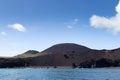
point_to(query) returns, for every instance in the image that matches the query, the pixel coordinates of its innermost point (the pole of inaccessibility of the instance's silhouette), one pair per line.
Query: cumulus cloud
(18, 27)
(3, 33)
(74, 22)
(110, 23)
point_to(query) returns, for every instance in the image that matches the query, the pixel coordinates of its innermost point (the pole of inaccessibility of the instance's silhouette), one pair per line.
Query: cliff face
(67, 54)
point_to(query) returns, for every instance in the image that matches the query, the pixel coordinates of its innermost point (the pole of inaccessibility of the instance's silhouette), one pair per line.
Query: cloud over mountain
(18, 27)
(111, 24)
(3, 33)
(73, 23)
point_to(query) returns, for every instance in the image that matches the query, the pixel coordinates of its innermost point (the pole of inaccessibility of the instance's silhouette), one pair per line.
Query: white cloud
(74, 22)
(3, 33)
(111, 24)
(18, 27)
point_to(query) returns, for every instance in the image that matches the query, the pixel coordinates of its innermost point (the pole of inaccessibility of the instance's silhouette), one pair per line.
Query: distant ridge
(29, 53)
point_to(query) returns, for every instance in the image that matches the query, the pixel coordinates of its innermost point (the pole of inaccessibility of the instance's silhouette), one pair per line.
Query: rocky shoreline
(24, 63)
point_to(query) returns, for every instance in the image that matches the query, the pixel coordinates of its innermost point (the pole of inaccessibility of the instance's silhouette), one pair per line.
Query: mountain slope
(65, 48)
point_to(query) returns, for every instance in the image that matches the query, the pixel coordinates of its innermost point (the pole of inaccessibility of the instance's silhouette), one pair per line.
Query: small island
(64, 55)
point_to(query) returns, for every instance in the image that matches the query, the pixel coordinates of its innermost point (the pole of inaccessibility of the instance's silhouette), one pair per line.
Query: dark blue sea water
(60, 74)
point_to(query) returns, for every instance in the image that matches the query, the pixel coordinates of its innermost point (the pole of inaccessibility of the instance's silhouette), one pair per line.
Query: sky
(39, 24)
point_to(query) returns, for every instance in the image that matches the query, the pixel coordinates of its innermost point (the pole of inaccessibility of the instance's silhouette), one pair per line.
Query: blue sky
(39, 24)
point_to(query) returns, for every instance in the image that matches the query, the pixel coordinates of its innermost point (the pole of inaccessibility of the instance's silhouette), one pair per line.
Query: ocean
(60, 74)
